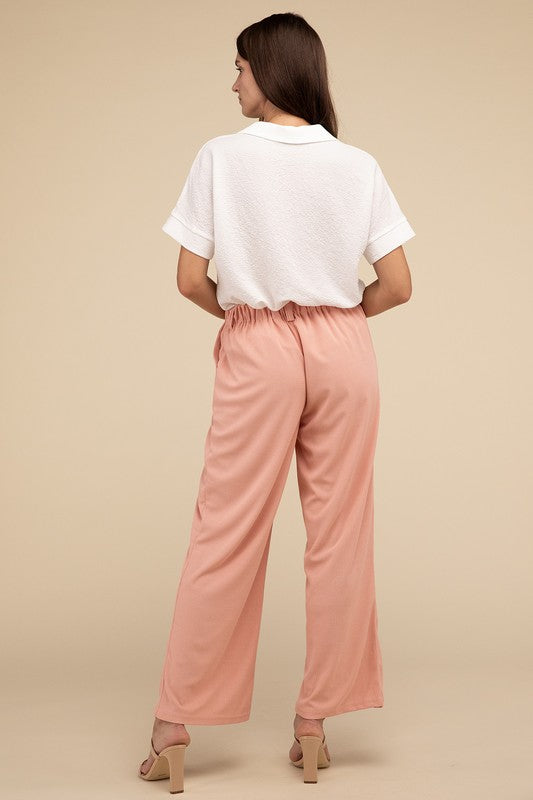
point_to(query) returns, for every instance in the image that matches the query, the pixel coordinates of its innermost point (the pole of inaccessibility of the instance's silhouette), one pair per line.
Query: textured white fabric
(287, 212)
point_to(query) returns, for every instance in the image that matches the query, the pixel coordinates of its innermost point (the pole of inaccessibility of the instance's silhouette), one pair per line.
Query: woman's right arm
(393, 285)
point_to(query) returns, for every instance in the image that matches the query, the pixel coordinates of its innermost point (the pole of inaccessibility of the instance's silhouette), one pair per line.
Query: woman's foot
(306, 727)
(165, 734)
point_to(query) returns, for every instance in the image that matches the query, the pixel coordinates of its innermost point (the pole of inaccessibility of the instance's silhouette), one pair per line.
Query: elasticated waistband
(243, 313)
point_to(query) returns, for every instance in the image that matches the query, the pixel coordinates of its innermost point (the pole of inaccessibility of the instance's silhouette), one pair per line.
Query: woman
(289, 210)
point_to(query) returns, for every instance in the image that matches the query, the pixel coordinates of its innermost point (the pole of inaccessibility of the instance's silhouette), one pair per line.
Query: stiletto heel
(314, 757)
(168, 763)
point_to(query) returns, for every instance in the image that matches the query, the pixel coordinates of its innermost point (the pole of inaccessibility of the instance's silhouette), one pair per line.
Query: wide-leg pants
(304, 379)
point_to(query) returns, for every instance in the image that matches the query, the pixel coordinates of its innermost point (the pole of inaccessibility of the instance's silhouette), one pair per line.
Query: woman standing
(289, 210)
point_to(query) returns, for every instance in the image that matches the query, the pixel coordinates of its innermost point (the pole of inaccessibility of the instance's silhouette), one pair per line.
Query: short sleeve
(191, 220)
(389, 227)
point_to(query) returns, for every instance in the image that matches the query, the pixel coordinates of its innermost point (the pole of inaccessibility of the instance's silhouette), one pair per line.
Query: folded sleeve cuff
(193, 240)
(388, 241)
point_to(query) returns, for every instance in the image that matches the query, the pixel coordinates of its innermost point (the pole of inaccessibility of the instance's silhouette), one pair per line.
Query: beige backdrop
(108, 376)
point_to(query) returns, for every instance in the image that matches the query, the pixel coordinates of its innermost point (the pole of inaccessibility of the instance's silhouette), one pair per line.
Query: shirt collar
(293, 134)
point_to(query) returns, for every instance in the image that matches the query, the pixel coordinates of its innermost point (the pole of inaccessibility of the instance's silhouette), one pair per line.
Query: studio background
(108, 376)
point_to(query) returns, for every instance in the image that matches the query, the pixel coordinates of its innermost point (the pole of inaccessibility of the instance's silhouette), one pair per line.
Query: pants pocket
(218, 350)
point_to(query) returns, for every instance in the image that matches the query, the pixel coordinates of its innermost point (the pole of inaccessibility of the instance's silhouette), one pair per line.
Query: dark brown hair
(288, 63)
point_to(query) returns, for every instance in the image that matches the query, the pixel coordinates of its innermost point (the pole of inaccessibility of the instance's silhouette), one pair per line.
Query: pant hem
(188, 719)
(378, 703)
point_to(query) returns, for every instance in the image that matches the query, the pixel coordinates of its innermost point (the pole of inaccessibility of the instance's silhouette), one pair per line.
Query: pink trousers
(301, 378)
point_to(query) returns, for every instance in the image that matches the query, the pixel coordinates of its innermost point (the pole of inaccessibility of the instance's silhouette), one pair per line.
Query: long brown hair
(288, 62)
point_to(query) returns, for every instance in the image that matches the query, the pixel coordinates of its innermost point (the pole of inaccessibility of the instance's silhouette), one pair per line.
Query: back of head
(288, 61)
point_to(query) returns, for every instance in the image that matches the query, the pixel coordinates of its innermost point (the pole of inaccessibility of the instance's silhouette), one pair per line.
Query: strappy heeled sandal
(314, 757)
(168, 763)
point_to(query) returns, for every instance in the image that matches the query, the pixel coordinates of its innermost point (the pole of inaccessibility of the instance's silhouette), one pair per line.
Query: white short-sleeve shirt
(286, 212)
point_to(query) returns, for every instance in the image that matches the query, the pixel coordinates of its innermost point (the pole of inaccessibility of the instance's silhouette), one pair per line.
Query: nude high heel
(314, 757)
(168, 763)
